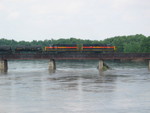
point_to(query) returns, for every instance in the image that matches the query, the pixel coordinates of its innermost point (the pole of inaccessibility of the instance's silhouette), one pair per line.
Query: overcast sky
(86, 19)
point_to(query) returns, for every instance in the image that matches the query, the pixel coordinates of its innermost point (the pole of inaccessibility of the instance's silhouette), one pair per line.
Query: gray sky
(86, 19)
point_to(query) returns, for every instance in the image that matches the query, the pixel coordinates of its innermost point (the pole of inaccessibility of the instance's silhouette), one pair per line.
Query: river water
(75, 87)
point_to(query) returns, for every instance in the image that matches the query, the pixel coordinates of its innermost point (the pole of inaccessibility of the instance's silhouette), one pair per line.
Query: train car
(80, 48)
(59, 48)
(98, 48)
(4, 49)
(62, 48)
(28, 49)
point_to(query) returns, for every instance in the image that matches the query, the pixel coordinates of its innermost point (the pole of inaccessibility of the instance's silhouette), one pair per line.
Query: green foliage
(145, 45)
(127, 44)
(132, 47)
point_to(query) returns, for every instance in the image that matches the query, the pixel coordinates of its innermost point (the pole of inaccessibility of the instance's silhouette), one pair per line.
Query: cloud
(118, 4)
(1, 6)
(13, 15)
(74, 18)
(21, 0)
(56, 6)
(8, 12)
(131, 10)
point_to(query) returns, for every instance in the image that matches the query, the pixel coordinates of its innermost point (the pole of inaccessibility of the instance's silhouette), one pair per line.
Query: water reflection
(90, 83)
(2, 72)
(51, 71)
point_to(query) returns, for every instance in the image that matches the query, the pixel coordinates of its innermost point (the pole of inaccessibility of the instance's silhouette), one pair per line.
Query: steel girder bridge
(71, 55)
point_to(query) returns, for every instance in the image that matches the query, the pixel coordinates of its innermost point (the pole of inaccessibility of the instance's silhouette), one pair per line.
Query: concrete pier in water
(52, 65)
(102, 66)
(149, 65)
(3, 66)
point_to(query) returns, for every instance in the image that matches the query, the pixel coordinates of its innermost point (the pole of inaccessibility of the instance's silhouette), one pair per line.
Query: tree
(145, 46)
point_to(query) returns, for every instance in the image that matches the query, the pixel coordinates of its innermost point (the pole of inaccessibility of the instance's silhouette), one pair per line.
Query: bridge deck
(75, 55)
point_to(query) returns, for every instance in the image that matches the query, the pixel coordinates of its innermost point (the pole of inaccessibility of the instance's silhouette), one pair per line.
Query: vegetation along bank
(126, 44)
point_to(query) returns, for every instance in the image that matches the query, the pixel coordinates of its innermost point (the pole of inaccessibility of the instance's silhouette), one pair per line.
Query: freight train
(60, 48)
(82, 48)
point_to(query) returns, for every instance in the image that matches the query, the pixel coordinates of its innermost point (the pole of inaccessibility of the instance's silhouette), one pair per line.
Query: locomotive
(60, 48)
(81, 48)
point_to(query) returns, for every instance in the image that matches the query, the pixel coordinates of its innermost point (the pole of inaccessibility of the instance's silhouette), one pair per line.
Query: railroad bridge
(4, 58)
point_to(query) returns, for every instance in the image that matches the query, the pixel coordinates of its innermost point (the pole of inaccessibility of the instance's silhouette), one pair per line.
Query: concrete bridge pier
(102, 66)
(52, 66)
(3, 66)
(149, 65)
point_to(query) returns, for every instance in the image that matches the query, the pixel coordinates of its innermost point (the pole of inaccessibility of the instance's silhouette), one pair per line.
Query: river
(75, 87)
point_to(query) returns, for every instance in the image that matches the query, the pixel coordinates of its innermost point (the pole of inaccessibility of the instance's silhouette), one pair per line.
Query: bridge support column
(149, 65)
(102, 66)
(52, 65)
(3, 66)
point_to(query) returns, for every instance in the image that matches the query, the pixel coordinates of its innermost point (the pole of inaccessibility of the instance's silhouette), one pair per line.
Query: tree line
(127, 44)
